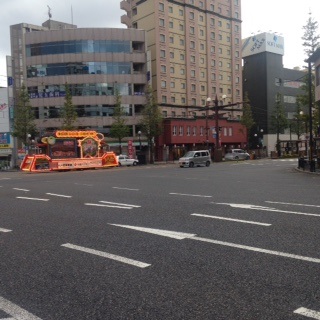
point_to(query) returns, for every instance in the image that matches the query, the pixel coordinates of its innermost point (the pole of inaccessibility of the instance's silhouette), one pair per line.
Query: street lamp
(139, 134)
(207, 129)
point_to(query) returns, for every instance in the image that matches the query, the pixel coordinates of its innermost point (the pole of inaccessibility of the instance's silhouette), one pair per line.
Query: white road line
(294, 204)
(272, 252)
(5, 230)
(190, 195)
(308, 313)
(230, 219)
(121, 204)
(38, 199)
(181, 236)
(21, 189)
(106, 205)
(107, 255)
(15, 311)
(58, 195)
(125, 189)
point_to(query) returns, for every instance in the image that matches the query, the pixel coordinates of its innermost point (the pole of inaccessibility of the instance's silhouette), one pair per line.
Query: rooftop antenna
(49, 12)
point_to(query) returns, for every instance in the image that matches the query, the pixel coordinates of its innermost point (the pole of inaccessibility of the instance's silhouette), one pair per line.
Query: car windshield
(189, 154)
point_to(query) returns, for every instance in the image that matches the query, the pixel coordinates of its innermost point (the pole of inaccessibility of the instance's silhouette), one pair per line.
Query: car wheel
(191, 164)
(119, 164)
(236, 158)
(247, 157)
(135, 163)
(207, 163)
(181, 166)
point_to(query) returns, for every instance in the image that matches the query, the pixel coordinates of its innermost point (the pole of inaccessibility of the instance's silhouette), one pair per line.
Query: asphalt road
(232, 241)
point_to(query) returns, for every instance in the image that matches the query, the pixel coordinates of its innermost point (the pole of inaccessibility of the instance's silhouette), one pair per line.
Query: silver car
(195, 158)
(237, 154)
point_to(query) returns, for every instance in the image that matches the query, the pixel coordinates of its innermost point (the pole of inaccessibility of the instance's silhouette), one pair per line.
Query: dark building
(263, 78)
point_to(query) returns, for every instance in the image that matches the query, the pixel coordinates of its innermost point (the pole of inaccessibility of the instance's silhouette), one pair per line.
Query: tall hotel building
(195, 50)
(93, 61)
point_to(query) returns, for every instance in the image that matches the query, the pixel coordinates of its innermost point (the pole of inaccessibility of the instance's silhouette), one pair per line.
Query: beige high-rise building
(195, 48)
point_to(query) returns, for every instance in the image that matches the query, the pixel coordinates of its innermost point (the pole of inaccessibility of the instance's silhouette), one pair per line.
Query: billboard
(263, 42)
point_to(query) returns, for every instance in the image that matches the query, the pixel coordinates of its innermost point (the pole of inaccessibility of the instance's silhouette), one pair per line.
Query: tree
(69, 114)
(310, 36)
(119, 128)
(151, 123)
(24, 118)
(311, 42)
(279, 120)
(247, 118)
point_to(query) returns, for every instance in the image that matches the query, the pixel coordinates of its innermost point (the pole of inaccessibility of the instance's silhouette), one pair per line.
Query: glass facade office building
(94, 62)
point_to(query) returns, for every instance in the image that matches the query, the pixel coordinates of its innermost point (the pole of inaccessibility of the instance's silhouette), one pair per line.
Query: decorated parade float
(69, 150)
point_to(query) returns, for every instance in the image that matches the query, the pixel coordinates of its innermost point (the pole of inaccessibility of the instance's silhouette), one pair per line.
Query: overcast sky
(286, 17)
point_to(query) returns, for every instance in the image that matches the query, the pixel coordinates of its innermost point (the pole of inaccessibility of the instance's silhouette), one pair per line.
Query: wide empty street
(236, 240)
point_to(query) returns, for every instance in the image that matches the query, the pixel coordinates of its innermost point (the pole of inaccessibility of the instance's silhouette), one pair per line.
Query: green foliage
(24, 117)
(151, 123)
(119, 128)
(68, 113)
(310, 37)
(279, 120)
(298, 123)
(247, 117)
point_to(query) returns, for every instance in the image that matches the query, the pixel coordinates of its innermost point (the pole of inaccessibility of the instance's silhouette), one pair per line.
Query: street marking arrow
(253, 207)
(159, 232)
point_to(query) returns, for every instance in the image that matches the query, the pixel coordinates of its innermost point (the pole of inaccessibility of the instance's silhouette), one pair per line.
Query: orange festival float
(69, 150)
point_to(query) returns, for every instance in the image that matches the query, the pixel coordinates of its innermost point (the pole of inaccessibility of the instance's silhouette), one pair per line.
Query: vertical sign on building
(130, 149)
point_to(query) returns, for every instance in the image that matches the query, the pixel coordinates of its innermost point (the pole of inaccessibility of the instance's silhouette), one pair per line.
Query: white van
(195, 158)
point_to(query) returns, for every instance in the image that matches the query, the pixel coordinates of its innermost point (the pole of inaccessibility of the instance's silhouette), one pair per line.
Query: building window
(194, 131)
(183, 85)
(162, 53)
(220, 63)
(161, 6)
(201, 33)
(193, 101)
(171, 39)
(182, 71)
(162, 38)
(181, 42)
(193, 73)
(180, 130)
(171, 24)
(201, 46)
(174, 130)
(171, 55)
(172, 84)
(236, 27)
(181, 13)
(183, 100)
(191, 30)
(237, 79)
(212, 22)
(228, 26)
(181, 27)
(163, 69)
(212, 35)
(237, 54)
(163, 84)
(193, 87)
(202, 75)
(201, 131)
(173, 114)
(170, 9)
(161, 22)
(164, 99)
(188, 130)
(182, 57)
(201, 18)
(219, 23)
(191, 15)
(192, 58)
(202, 88)
(230, 132)
(171, 70)
(211, 7)
(173, 99)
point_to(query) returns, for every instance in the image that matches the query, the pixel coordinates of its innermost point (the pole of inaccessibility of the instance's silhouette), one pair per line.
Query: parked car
(237, 154)
(124, 160)
(195, 158)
